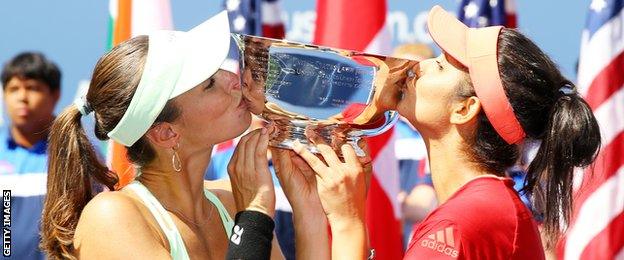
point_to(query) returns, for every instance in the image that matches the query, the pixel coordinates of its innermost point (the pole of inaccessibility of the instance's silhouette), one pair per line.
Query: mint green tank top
(176, 244)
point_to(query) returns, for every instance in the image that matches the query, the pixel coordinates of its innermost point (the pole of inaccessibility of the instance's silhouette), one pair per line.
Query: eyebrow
(210, 83)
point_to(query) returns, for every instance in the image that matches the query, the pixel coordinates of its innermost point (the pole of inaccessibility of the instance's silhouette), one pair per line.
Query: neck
(29, 137)
(181, 192)
(450, 167)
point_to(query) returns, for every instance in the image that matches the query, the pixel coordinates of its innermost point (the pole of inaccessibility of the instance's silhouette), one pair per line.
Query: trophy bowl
(310, 91)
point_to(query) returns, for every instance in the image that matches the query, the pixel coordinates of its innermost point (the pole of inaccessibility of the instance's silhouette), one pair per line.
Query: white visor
(176, 62)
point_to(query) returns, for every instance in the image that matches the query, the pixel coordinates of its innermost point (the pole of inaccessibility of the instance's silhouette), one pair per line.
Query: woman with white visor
(164, 97)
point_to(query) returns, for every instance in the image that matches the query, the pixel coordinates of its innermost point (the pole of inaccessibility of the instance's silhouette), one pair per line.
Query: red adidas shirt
(484, 219)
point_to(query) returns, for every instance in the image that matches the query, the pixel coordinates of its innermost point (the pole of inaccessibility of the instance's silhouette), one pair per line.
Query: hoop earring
(175, 159)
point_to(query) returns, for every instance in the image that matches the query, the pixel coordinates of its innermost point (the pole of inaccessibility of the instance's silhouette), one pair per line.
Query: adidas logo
(442, 241)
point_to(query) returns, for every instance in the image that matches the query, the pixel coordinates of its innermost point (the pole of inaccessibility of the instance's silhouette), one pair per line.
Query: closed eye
(210, 84)
(440, 67)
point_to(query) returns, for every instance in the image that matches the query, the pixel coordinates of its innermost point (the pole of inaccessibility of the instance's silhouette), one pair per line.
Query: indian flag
(129, 18)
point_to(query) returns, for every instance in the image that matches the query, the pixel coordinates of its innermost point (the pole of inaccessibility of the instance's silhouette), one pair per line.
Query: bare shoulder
(109, 208)
(223, 190)
(111, 223)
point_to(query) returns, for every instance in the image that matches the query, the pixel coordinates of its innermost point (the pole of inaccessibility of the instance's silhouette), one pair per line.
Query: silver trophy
(311, 91)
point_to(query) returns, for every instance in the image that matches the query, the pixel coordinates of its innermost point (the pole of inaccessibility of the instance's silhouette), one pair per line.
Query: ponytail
(571, 139)
(72, 165)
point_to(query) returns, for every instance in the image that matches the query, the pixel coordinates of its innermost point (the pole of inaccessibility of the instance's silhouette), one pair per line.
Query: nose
(22, 94)
(426, 62)
(423, 66)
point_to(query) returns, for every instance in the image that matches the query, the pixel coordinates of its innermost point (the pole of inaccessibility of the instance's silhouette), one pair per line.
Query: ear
(163, 135)
(465, 111)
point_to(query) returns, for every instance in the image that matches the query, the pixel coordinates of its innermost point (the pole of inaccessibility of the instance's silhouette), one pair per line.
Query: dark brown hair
(562, 122)
(32, 65)
(73, 163)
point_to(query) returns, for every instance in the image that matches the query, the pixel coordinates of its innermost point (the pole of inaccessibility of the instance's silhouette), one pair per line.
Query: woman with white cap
(474, 105)
(164, 97)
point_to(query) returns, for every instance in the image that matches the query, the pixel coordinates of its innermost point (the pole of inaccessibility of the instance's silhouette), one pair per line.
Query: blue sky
(73, 32)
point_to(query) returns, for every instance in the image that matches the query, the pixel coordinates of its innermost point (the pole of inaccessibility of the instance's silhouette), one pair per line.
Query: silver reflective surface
(310, 91)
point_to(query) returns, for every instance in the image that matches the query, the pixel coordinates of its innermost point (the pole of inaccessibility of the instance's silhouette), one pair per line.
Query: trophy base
(335, 135)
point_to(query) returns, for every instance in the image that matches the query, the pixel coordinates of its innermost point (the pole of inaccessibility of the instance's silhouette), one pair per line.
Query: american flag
(481, 13)
(597, 228)
(253, 17)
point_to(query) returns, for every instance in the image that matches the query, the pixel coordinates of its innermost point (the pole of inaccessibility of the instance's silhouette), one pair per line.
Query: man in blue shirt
(31, 89)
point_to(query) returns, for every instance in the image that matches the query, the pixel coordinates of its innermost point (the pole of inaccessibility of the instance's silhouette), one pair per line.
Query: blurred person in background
(31, 88)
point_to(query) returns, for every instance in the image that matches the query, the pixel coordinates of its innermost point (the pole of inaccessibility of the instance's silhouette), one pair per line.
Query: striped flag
(130, 18)
(481, 13)
(597, 228)
(361, 25)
